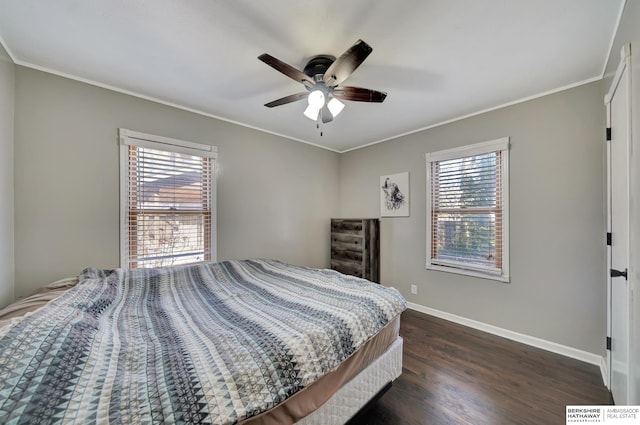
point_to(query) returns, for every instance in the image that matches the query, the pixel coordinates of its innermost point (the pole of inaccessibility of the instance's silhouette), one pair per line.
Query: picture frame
(394, 195)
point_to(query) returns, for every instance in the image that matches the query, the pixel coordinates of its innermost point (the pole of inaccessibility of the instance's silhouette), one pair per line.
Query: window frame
(476, 149)
(127, 138)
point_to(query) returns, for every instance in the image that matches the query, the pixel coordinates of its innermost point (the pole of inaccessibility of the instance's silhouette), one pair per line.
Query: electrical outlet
(414, 289)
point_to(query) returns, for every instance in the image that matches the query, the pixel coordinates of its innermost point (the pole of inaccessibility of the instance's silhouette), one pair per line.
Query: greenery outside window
(167, 201)
(468, 210)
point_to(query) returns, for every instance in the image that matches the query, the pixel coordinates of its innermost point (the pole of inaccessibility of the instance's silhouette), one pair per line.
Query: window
(167, 206)
(467, 210)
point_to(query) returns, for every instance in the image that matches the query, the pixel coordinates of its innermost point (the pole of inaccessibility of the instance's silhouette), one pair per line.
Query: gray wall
(6, 178)
(557, 250)
(275, 196)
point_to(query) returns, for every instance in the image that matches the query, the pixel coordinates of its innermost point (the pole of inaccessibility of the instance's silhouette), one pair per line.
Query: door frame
(624, 65)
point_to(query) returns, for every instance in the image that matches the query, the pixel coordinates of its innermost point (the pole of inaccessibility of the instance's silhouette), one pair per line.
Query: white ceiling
(437, 59)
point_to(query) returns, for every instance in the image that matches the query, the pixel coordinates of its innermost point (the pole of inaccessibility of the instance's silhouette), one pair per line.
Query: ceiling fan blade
(287, 70)
(287, 99)
(327, 116)
(359, 94)
(342, 67)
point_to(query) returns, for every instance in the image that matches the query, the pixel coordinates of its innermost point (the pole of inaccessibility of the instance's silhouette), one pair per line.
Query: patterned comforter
(208, 343)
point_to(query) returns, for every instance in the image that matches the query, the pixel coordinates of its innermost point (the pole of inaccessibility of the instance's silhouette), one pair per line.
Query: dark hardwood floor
(453, 374)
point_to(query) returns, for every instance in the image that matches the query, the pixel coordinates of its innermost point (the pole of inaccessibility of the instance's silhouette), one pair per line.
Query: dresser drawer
(344, 241)
(353, 227)
(346, 254)
(353, 268)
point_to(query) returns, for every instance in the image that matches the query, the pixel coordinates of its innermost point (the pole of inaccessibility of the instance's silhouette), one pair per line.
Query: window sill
(467, 272)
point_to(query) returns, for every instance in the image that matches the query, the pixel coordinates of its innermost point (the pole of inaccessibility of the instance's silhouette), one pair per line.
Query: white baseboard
(515, 336)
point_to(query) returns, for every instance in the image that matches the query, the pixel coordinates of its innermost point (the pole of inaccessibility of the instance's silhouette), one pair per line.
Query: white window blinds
(168, 202)
(467, 204)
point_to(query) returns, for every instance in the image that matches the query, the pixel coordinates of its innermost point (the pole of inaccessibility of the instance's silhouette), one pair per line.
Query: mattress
(355, 394)
(297, 407)
(334, 398)
(316, 395)
(331, 400)
(40, 298)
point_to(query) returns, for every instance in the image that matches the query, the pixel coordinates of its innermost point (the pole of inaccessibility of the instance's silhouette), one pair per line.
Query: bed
(253, 342)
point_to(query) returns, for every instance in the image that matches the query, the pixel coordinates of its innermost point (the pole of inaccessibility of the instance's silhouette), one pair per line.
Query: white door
(618, 108)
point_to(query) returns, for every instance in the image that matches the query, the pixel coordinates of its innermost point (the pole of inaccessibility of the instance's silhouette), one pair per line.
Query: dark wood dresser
(355, 247)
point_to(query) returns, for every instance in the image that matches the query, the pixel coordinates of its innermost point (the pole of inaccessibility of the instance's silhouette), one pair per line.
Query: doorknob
(618, 273)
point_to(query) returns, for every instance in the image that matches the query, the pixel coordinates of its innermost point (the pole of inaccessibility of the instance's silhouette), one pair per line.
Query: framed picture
(394, 195)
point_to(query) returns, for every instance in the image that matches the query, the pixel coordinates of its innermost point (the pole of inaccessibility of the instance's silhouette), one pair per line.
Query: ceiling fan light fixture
(316, 103)
(316, 99)
(312, 112)
(335, 106)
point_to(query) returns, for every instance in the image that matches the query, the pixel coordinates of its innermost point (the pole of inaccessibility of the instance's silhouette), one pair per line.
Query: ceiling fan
(321, 77)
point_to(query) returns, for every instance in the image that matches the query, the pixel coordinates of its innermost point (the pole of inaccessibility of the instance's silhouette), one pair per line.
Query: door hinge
(608, 343)
(608, 133)
(609, 238)
(619, 273)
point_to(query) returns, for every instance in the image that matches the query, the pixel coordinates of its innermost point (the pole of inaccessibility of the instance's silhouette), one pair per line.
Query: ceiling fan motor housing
(317, 66)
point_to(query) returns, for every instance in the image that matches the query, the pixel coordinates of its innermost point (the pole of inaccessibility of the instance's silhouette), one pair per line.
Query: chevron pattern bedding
(212, 343)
